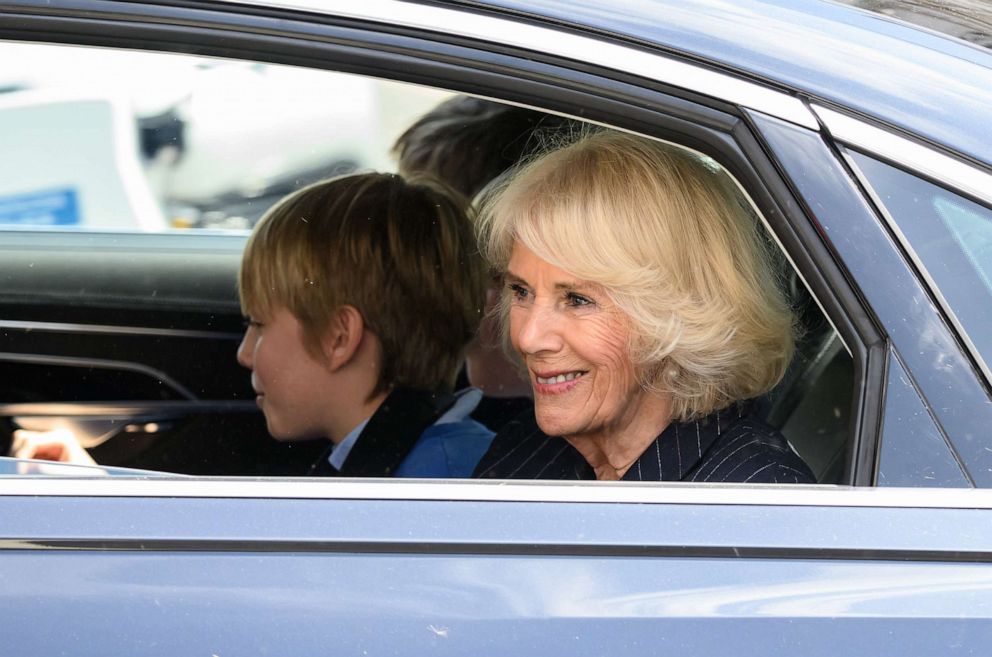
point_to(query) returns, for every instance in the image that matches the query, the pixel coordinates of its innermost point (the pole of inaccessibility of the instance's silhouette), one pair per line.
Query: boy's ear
(343, 336)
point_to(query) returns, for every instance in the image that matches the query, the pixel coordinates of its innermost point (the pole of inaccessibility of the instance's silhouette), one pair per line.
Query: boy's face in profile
(290, 383)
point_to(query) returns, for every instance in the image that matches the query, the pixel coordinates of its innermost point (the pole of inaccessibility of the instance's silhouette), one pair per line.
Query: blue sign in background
(50, 207)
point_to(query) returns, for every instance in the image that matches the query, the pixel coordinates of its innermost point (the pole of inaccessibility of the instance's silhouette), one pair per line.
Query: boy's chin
(285, 434)
(290, 426)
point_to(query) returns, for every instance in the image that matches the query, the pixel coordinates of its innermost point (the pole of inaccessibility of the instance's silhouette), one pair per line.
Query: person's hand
(58, 445)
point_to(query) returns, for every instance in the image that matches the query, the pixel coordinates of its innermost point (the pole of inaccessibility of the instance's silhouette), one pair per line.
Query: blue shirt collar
(343, 448)
(466, 402)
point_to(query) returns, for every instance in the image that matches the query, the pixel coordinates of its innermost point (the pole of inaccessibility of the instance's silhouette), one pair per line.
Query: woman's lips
(551, 383)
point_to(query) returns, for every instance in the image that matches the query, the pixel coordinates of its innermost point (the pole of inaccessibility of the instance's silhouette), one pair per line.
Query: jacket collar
(390, 435)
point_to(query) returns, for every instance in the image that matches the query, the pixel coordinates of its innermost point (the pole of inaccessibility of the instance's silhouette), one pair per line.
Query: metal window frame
(559, 43)
(495, 491)
(927, 161)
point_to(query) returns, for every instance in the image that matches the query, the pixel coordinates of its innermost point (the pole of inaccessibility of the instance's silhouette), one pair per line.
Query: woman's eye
(519, 291)
(576, 300)
(252, 323)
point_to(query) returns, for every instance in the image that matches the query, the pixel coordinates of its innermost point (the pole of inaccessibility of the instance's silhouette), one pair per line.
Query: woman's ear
(343, 337)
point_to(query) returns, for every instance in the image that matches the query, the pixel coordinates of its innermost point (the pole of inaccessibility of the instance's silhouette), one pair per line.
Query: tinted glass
(952, 238)
(914, 451)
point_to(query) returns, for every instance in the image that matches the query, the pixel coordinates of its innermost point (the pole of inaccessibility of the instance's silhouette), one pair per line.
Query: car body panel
(902, 75)
(191, 603)
(220, 575)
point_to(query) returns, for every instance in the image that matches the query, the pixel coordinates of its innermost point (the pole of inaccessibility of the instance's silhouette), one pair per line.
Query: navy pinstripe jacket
(727, 446)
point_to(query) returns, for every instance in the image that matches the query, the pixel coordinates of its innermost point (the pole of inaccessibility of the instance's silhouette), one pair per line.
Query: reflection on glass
(950, 236)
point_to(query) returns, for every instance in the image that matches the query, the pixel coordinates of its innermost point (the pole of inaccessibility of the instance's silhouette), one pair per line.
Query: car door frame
(655, 107)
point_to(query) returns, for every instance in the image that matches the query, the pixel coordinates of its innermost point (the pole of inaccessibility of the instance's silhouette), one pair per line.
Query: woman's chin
(555, 422)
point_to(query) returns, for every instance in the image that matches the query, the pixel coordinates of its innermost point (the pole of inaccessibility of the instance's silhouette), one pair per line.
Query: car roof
(934, 86)
(970, 20)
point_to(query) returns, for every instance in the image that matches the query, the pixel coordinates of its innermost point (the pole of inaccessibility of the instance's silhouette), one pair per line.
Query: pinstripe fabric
(728, 446)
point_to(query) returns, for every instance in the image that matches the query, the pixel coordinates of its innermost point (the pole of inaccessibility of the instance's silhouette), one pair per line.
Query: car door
(215, 566)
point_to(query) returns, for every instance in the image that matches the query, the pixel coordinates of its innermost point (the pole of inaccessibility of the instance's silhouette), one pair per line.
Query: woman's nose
(535, 330)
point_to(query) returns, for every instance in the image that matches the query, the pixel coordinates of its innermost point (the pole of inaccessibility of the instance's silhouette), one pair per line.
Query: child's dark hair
(468, 142)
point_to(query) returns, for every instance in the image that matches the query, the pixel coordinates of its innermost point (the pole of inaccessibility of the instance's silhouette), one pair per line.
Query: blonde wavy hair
(674, 244)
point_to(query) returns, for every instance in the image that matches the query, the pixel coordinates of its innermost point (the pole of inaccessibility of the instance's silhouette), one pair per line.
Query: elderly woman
(641, 301)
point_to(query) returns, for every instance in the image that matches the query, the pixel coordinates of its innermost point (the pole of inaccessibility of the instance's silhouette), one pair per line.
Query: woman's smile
(555, 383)
(574, 342)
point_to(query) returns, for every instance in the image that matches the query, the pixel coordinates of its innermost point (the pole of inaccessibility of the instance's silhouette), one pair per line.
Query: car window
(154, 141)
(951, 238)
(914, 450)
(129, 341)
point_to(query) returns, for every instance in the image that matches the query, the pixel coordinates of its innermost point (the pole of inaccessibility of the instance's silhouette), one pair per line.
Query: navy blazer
(401, 439)
(726, 446)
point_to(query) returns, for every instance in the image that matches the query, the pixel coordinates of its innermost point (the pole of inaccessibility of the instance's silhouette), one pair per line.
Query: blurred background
(96, 139)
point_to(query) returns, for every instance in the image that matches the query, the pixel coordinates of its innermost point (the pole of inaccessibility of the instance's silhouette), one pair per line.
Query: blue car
(859, 131)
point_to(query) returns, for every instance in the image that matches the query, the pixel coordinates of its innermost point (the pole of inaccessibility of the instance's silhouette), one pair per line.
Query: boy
(361, 293)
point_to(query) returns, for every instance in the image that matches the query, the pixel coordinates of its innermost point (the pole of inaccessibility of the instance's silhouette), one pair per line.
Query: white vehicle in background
(170, 131)
(96, 177)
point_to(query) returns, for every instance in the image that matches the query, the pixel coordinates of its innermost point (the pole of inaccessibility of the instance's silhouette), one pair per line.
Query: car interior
(119, 252)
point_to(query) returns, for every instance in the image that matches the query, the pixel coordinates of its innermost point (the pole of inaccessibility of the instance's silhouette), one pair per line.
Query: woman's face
(574, 342)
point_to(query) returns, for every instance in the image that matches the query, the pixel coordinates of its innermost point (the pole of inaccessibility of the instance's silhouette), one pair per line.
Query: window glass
(952, 238)
(914, 451)
(152, 141)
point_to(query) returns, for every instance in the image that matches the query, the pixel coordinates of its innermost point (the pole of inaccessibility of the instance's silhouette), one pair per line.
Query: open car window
(153, 141)
(127, 188)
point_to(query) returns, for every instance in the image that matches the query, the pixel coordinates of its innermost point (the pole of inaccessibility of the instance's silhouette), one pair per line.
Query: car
(860, 138)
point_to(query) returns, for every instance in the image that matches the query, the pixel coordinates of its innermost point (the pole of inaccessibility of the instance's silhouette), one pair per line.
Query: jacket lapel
(392, 432)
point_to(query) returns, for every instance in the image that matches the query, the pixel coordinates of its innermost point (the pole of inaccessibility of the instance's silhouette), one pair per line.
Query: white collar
(343, 448)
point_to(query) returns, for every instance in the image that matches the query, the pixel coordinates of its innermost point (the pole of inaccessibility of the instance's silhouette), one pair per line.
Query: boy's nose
(246, 350)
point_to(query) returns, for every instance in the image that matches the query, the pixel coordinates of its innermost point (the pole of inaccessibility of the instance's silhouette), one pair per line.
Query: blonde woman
(640, 299)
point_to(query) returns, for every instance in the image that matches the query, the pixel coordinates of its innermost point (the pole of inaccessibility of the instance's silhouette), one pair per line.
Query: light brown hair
(401, 252)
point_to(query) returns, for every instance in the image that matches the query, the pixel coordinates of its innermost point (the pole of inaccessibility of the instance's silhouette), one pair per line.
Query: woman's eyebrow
(510, 277)
(575, 286)
(566, 286)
